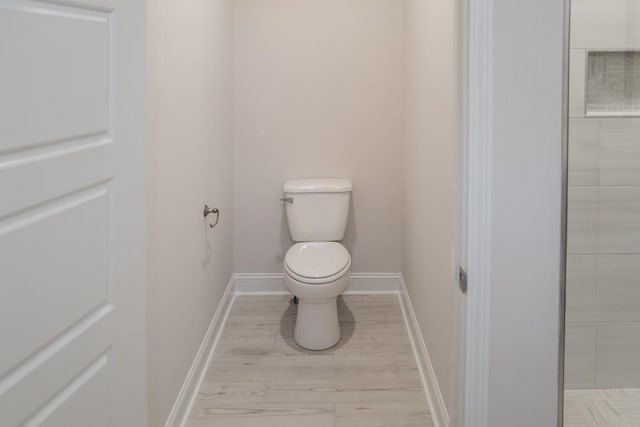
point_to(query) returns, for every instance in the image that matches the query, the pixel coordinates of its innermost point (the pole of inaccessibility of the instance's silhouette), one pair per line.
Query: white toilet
(316, 269)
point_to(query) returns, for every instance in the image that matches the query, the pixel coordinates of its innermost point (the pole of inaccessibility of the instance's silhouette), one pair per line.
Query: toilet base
(317, 326)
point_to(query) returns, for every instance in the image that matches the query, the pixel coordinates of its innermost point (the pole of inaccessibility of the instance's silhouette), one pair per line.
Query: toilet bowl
(316, 269)
(317, 273)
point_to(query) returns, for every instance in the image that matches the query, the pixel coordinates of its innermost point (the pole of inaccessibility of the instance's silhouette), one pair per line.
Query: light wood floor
(602, 408)
(260, 377)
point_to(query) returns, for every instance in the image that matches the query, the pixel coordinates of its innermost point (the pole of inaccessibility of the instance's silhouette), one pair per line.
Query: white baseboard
(359, 283)
(437, 406)
(184, 402)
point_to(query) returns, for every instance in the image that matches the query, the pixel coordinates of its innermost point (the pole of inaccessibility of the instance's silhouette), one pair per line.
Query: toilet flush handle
(287, 199)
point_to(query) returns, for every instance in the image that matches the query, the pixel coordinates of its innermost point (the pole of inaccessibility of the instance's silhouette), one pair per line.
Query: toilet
(317, 267)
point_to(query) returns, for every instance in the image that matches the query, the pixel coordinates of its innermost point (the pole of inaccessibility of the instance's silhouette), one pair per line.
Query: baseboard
(430, 382)
(359, 284)
(184, 402)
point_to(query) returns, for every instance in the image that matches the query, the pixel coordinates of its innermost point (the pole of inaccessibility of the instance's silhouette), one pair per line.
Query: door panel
(44, 375)
(72, 231)
(63, 53)
(82, 402)
(57, 281)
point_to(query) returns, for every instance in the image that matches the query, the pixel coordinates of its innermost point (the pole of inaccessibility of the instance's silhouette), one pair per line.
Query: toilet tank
(317, 209)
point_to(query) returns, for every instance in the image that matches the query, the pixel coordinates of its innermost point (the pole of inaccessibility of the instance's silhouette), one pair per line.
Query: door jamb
(477, 145)
(565, 194)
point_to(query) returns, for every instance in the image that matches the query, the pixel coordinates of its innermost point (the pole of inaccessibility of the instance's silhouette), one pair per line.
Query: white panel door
(72, 222)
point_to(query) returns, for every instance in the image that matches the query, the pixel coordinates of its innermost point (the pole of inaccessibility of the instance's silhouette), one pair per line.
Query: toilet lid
(316, 260)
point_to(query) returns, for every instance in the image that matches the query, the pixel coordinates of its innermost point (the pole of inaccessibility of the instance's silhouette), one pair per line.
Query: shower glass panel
(602, 319)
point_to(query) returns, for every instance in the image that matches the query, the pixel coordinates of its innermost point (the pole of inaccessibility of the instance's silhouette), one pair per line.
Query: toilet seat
(317, 262)
(322, 281)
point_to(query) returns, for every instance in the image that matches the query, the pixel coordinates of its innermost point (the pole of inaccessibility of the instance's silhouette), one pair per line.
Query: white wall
(429, 155)
(526, 184)
(318, 93)
(190, 164)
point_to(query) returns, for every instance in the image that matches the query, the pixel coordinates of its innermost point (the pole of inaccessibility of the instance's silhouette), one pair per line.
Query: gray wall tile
(577, 68)
(580, 358)
(618, 355)
(582, 283)
(605, 24)
(583, 220)
(584, 152)
(619, 220)
(620, 143)
(618, 288)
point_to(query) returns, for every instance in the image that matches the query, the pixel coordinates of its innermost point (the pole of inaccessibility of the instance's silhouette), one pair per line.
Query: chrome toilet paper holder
(208, 211)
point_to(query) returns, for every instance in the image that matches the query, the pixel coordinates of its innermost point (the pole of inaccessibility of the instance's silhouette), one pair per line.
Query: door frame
(565, 204)
(472, 311)
(460, 229)
(470, 408)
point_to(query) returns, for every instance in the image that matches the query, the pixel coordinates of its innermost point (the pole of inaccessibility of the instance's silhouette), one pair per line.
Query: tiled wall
(603, 266)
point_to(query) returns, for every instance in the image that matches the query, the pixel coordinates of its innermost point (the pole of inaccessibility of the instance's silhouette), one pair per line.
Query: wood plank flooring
(260, 377)
(602, 408)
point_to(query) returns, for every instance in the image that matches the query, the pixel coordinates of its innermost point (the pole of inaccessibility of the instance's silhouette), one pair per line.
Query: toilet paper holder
(208, 211)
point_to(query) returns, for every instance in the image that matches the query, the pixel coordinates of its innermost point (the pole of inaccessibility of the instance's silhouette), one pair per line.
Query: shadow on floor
(347, 325)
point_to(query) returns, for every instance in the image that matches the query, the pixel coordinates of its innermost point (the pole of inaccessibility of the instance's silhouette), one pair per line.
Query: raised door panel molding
(39, 273)
(82, 402)
(57, 66)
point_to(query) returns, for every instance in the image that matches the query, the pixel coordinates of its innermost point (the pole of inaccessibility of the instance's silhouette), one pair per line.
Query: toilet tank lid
(320, 185)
